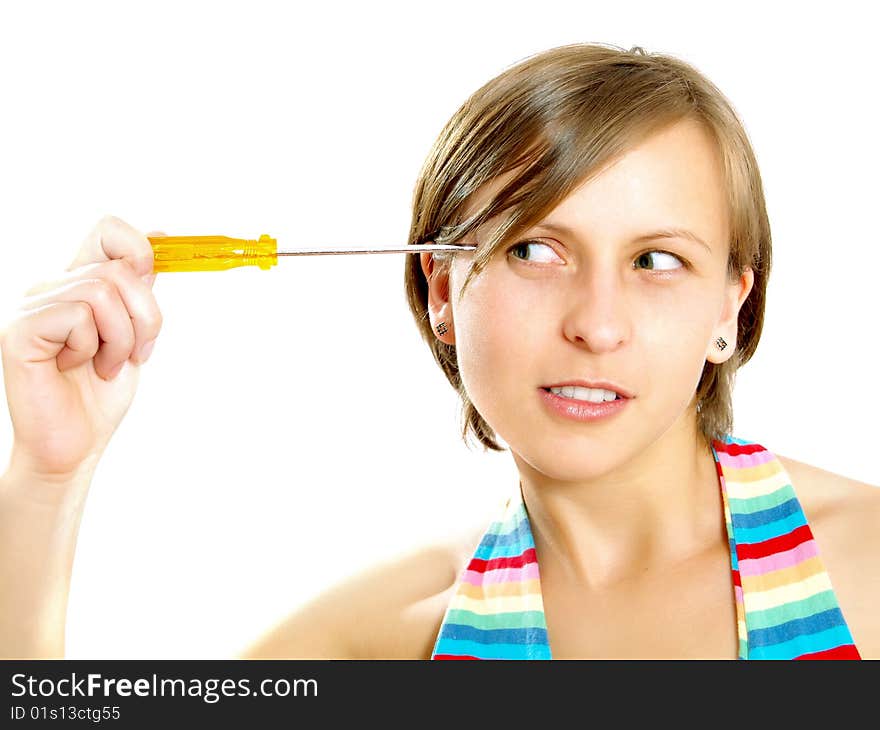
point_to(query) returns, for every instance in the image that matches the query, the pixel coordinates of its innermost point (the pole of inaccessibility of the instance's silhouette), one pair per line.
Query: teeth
(593, 395)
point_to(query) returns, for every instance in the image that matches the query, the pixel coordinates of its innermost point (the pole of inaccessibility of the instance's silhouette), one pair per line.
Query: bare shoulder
(844, 517)
(828, 491)
(392, 610)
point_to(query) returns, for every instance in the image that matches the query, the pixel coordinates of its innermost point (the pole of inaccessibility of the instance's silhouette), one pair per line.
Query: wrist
(22, 483)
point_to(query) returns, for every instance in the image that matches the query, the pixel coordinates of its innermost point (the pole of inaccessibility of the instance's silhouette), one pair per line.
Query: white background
(291, 426)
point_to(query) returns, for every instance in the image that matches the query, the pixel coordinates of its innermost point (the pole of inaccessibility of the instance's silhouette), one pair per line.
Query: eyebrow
(660, 233)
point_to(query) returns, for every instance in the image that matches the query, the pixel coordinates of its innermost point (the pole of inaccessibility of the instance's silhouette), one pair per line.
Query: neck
(663, 505)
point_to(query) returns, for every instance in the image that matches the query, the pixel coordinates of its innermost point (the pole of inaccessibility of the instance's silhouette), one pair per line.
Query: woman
(618, 282)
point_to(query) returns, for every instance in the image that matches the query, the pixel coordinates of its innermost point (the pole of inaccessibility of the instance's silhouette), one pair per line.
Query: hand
(73, 350)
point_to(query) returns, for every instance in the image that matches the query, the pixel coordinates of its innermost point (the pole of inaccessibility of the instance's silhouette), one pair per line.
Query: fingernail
(146, 350)
(115, 371)
(149, 279)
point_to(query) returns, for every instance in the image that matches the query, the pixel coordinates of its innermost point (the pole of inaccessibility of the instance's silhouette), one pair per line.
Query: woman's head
(609, 145)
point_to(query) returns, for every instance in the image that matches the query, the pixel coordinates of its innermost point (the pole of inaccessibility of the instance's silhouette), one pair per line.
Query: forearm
(39, 524)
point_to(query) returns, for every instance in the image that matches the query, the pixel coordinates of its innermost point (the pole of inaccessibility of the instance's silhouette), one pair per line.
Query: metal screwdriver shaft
(391, 249)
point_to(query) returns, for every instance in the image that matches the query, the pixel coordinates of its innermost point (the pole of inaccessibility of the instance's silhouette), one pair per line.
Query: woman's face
(590, 300)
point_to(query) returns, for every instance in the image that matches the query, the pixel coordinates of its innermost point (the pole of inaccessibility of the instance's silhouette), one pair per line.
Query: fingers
(113, 238)
(62, 330)
(124, 311)
(103, 308)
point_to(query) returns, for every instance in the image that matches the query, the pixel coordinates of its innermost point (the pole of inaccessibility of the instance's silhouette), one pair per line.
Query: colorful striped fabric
(785, 605)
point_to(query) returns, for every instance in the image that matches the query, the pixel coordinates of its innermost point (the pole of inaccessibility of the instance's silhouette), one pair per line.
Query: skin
(626, 512)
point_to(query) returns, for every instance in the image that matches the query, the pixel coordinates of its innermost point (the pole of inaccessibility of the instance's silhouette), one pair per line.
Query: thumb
(150, 278)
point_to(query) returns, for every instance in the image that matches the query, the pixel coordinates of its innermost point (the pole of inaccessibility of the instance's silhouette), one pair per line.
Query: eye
(669, 257)
(523, 247)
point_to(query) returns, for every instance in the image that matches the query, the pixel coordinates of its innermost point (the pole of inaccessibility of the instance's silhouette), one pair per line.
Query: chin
(576, 460)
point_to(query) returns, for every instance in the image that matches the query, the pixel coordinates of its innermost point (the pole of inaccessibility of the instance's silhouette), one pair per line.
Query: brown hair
(555, 119)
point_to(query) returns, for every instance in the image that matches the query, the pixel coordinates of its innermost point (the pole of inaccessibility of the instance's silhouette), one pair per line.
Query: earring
(442, 329)
(720, 343)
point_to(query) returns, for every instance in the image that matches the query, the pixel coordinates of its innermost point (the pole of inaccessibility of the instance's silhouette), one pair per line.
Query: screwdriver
(217, 253)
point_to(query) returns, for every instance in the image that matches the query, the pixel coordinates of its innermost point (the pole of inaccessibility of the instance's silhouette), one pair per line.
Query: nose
(597, 312)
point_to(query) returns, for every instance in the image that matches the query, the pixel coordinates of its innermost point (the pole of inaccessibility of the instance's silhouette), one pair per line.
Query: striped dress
(785, 605)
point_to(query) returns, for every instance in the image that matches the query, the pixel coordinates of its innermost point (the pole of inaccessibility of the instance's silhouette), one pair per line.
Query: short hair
(555, 119)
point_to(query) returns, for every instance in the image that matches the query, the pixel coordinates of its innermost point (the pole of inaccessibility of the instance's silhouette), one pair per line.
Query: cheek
(684, 313)
(674, 330)
(498, 336)
(672, 338)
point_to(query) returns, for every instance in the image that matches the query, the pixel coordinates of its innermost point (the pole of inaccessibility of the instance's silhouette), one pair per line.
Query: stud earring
(442, 329)
(720, 343)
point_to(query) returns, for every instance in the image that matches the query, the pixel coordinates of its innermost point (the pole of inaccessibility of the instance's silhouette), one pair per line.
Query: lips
(605, 384)
(582, 411)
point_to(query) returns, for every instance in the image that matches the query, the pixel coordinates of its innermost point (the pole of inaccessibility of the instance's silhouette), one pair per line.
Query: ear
(439, 307)
(736, 294)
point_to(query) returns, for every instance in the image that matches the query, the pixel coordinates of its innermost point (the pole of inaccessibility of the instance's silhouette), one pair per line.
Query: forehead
(674, 178)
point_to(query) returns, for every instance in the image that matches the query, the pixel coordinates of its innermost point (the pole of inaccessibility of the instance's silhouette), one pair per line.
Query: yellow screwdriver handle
(211, 253)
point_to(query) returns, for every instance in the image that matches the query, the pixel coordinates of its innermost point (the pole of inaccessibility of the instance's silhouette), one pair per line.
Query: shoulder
(829, 492)
(391, 610)
(844, 517)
